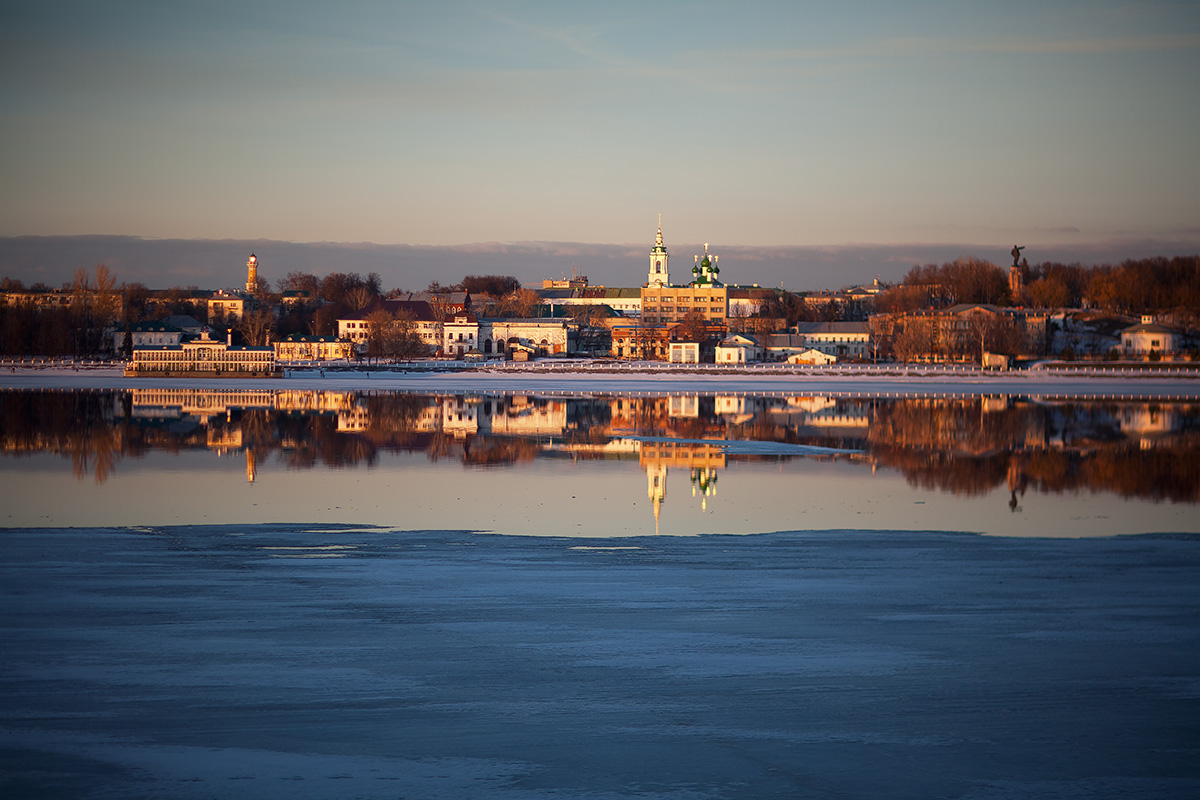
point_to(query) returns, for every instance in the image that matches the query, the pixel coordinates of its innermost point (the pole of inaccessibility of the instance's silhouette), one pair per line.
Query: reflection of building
(516, 416)
(700, 460)
(521, 416)
(1148, 422)
(203, 403)
(683, 405)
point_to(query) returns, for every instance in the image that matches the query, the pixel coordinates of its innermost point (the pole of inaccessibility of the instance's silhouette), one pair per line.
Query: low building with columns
(203, 357)
(465, 332)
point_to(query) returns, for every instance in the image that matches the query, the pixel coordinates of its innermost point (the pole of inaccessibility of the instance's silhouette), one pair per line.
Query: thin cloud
(924, 46)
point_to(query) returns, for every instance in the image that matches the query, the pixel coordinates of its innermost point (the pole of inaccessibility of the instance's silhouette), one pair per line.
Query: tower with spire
(658, 275)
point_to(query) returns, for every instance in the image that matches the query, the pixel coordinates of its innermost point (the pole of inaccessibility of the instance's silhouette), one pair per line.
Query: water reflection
(963, 446)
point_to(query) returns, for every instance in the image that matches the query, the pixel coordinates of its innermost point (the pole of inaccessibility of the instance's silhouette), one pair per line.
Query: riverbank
(889, 380)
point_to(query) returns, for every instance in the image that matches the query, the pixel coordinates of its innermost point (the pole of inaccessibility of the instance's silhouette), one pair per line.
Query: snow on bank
(627, 381)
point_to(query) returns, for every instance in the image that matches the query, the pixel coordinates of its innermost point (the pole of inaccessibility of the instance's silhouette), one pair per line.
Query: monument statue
(1016, 254)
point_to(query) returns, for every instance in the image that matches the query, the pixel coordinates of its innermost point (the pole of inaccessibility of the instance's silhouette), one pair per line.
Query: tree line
(73, 321)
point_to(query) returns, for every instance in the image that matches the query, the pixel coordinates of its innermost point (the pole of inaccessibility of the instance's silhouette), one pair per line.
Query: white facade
(460, 335)
(684, 353)
(203, 355)
(841, 339)
(811, 356)
(1147, 336)
(739, 349)
(465, 332)
(542, 336)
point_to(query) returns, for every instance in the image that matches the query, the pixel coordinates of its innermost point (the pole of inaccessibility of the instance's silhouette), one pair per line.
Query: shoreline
(632, 380)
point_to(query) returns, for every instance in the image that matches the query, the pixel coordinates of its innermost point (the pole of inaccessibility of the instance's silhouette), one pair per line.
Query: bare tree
(380, 334)
(915, 339)
(359, 298)
(520, 303)
(255, 327)
(693, 327)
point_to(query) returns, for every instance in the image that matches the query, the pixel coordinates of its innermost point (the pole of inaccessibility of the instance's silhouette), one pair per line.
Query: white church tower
(658, 275)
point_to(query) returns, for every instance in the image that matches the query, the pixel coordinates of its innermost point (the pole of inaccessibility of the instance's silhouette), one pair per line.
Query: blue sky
(786, 123)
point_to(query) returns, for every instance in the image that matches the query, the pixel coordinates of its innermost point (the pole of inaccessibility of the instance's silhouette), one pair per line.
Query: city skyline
(1067, 126)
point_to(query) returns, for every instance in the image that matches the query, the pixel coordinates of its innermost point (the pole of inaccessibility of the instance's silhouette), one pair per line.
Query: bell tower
(658, 275)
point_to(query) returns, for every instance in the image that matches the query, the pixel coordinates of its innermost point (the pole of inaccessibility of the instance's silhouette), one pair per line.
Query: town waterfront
(302, 593)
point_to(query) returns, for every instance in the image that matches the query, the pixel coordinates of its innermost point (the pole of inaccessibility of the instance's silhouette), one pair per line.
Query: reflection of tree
(80, 426)
(489, 451)
(965, 446)
(960, 446)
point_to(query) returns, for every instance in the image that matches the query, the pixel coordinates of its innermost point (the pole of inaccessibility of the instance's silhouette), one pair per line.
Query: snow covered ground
(1036, 382)
(296, 663)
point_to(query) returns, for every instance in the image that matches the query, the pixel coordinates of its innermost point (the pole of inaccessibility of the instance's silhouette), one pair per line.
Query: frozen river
(301, 592)
(293, 662)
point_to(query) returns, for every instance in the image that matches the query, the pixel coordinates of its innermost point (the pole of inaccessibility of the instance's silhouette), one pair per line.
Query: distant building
(464, 332)
(1147, 336)
(663, 304)
(427, 322)
(229, 305)
(202, 357)
(147, 334)
(851, 303)
(684, 353)
(811, 356)
(740, 348)
(299, 347)
(628, 302)
(841, 339)
(168, 331)
(641, 342)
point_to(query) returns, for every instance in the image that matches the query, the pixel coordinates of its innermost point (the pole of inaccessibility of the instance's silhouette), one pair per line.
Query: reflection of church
(700, 460)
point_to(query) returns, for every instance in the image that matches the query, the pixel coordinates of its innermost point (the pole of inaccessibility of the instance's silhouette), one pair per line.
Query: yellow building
(663, 303)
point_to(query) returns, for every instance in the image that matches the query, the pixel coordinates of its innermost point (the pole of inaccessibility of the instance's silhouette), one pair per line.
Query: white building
(203, 356)
(811, 356)
(1147, 336)
(739, 348)
(841, 339)
(465, 332)
(684, 353)
(299, 347)
(425, 321)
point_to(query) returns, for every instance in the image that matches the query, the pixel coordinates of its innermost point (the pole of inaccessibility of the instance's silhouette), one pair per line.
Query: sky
(752, 125)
